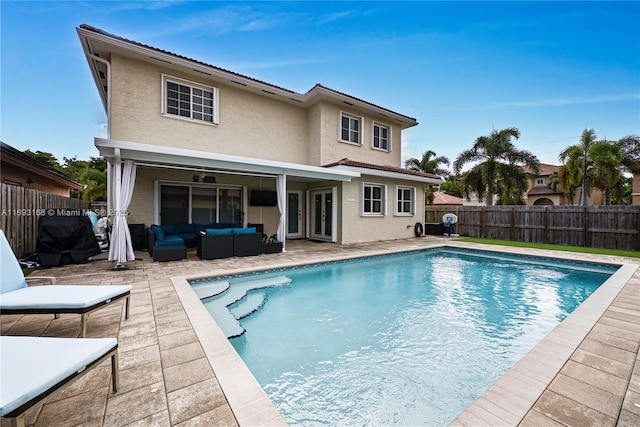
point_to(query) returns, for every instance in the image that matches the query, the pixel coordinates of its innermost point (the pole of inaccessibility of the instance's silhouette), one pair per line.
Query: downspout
(109, 177)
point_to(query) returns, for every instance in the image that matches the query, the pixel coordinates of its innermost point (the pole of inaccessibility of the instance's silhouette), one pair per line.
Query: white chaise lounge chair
(34, 367)
(16, 297)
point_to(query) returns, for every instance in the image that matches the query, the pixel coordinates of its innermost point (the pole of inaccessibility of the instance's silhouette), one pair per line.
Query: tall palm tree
(494, 172)
(562, 179)
(578, 160)
(429, 163)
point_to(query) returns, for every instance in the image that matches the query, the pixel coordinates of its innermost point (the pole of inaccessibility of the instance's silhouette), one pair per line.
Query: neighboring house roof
(91, 38)
(18, 159)
(543, 189)
(446, 199)
(384, 170)
(545, 169)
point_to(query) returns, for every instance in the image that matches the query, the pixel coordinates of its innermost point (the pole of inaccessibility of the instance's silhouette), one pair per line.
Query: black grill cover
(65, 239)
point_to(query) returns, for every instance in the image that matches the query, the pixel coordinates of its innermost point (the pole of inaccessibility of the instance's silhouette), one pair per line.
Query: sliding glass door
(181, 204)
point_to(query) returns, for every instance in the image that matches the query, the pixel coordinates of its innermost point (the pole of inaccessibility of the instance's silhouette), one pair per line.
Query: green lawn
(635, 254)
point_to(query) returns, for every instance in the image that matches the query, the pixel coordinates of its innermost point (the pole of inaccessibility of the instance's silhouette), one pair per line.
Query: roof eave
(86, 36)
(159, 155)
(388, 174)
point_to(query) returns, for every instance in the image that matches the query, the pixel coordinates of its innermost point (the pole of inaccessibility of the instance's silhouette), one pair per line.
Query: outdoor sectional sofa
(213, 241)
(228, 242)
(169, 242)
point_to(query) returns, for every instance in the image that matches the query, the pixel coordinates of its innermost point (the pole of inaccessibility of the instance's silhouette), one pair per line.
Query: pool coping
(507, 401)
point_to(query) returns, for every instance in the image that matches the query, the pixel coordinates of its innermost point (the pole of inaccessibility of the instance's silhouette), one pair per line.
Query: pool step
(247, 305)
(219, 306)
(206, 290)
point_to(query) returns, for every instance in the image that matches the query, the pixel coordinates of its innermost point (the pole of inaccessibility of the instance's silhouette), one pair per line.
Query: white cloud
(558, 102)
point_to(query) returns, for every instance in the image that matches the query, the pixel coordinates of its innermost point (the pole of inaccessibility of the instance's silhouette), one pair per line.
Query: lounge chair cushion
(59, 297)
(12, 276)
(33, 365)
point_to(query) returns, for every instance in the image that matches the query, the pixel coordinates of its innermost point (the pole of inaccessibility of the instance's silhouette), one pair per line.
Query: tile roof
(545, 169)
(539, 190)
(446, 199)
(387, 168)
(309, 93)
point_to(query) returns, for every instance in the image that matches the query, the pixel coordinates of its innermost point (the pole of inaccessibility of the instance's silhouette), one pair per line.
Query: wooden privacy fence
(21, 208)
(610, 227)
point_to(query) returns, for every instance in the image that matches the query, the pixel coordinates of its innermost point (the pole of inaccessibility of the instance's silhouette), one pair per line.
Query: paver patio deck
(587, 372)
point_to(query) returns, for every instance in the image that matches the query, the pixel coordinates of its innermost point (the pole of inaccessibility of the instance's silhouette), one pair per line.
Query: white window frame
(351, 117)
(383, 199)
(373, 136)
(539, 181)
(192, 85)
(399, 210)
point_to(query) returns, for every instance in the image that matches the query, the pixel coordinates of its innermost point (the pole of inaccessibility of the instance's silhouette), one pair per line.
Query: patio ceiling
(201, 161)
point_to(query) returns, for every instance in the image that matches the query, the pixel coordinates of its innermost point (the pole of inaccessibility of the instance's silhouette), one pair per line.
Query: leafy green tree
(497, 169)
(47, 159)
(95, 181)
(429, 163)
(91, 173)
(452, 186)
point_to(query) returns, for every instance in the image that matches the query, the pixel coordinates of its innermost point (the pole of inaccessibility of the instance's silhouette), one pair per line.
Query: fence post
(546, 225)
(482, 219)
(512, 232)
(587, 238)
(638, 229)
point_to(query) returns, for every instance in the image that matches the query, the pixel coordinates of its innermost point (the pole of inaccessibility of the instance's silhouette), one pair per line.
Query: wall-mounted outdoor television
(263, 198)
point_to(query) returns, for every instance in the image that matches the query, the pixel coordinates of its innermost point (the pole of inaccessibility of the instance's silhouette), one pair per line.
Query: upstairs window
(381, 137)
(350, 128)
(373, 199)
(189, 100)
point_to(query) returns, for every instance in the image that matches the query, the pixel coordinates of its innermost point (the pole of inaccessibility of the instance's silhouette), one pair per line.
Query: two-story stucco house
(211, 145)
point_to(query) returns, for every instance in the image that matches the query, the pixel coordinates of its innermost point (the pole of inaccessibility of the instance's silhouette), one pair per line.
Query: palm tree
(429, 163)
(498, 168)
(562, 179)
(610, 161)
(578, 160)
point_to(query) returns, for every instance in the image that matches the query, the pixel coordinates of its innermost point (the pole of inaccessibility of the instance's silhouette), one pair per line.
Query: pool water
(406, 339)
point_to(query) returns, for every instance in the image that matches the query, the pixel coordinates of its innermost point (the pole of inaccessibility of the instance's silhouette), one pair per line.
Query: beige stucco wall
(333, 150)
(357, 228)
(250, 125)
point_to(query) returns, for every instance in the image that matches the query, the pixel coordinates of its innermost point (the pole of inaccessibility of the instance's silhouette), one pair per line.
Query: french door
(322, 215)
(294, 214)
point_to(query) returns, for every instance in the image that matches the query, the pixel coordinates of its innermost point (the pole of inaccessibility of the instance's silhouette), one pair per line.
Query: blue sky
(551, 69)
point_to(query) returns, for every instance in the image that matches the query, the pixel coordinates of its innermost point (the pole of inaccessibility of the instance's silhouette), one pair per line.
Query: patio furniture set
(214, 241)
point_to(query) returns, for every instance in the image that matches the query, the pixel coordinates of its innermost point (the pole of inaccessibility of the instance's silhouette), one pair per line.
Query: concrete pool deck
(177, 368)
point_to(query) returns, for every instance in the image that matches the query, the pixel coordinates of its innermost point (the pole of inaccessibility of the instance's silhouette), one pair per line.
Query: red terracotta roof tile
(354, 163)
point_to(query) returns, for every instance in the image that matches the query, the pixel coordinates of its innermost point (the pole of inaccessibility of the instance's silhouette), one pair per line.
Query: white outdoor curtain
(281, 187)
(120, 244)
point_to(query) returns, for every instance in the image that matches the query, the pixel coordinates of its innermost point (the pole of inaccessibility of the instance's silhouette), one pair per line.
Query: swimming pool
(434, 331)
